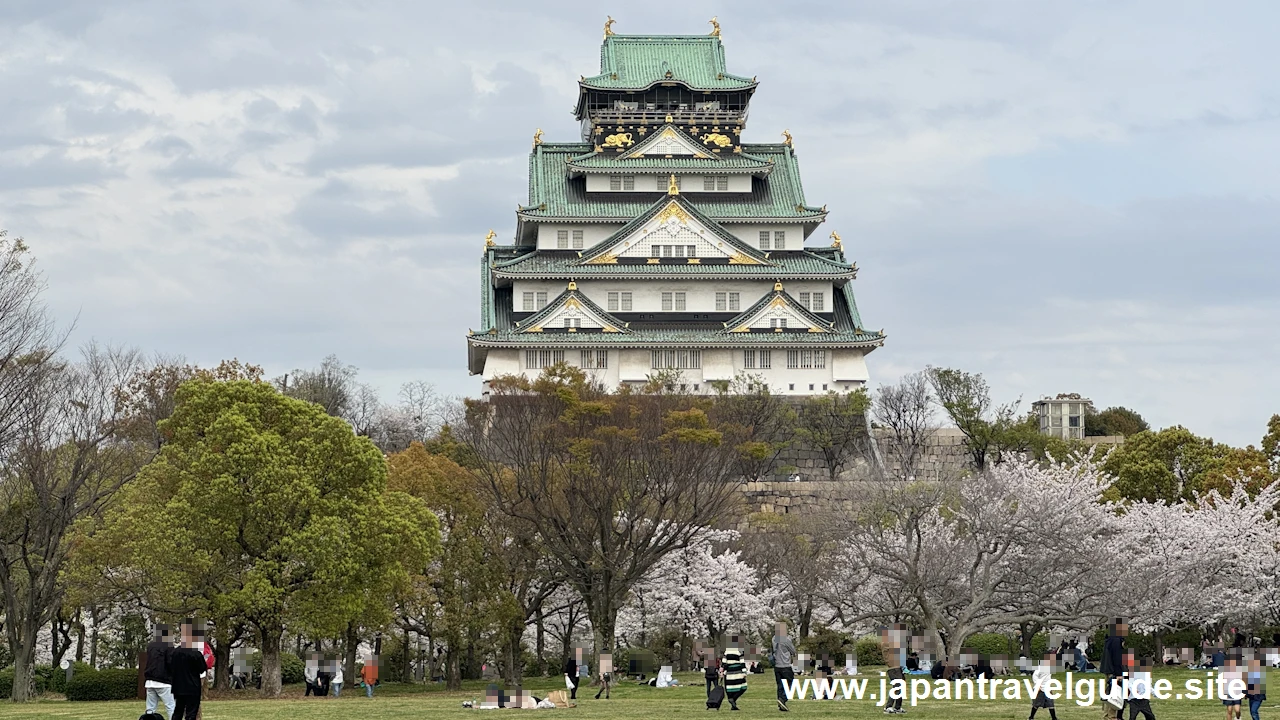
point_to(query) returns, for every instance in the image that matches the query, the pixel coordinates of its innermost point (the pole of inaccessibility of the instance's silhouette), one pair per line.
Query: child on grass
(1039, 677)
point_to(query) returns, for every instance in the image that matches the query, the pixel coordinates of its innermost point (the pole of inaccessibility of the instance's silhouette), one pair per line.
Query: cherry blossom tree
(704, 587)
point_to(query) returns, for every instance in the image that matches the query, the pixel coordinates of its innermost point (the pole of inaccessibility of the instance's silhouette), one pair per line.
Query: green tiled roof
(637, 62)
(675, 337)
(683, 201)
(737, 162)
(759, 305)
(791, 264)
(553, 195)
(552, 307)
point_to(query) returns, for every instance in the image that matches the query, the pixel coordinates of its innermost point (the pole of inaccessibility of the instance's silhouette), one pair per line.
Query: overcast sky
(1066, 197)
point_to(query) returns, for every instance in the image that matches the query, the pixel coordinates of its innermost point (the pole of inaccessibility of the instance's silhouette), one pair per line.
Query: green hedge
(6, 683)
(869, 652)
(291, 667)
(109, 684)
(991, 644)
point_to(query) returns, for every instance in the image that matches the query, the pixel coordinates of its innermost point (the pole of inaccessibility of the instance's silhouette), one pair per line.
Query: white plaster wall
(591, 234)
(649, 183)
(849, 365)
(646, 295)
(750, 234)
(502, 362)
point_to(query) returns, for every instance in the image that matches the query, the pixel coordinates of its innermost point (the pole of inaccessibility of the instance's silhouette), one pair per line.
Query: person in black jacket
(186, 666)
(1113, 661)
(156, 673)
(571, 664)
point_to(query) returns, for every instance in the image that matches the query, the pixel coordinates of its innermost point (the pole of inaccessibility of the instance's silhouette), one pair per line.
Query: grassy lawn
(629, 700)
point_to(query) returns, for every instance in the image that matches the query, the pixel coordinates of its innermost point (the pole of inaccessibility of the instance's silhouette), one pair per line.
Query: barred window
(680, 302)
(764, 239)
(722, 182)
(721, 304)
(528, 302)
(734, 301)
(677, 359)
(817, 302)
(806, 359)
(615, 182)
(777, 322)
(628, 182)
(613, 302)
(666, 302)
(573, 322)
(804, 299)
(766, 359)
(661, 182)
(779, 240)
(757, 359)
(626, 302)
(562, 239)
(690, 250)
(538, 359)
(595, 359)
(542, 299)
(708, 182)
(577, 239)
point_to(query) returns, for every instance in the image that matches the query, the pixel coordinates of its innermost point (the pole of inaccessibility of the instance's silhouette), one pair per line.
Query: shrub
(109, 684)
(869, 652)
(291, 667)
(990, 644)
(56, 677)
(6, 682)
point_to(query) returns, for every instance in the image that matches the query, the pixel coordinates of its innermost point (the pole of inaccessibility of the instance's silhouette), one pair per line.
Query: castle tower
(663, 243)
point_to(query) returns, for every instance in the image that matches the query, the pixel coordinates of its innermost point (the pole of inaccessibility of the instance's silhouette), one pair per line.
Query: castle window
(779, 240)
(615, 182)
(538, 359)
(595, 359)
(528, 302)
(734, 301)
(764, 239)
(562, 239)
(676, 359)
(817, 302)
(804, 299)
(542, 299)
(721, 304)
(628, 182)
(777, 322)
(613, 302)
(757, 359)
(577, 239)
(572, 322)
(626, 302)
(680, 302)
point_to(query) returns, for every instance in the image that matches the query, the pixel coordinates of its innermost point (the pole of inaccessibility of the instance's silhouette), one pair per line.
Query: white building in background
(1062, 416)
(662, 242)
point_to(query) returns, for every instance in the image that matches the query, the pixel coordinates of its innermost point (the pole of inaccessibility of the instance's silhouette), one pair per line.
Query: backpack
(715, 697)
(151, 716)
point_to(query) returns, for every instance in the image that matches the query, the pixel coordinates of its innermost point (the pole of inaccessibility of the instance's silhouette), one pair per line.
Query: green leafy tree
(459, 595)
(1175, 465)
(263, 508)
(1271, 443)
(990, 431)
(835, 425)
(1114, 421)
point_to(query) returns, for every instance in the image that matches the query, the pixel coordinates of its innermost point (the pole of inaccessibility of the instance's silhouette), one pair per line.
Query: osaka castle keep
(662, 243)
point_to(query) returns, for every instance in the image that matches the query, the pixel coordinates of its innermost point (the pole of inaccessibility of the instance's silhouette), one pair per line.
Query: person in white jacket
(336, 682)
(1040, 676)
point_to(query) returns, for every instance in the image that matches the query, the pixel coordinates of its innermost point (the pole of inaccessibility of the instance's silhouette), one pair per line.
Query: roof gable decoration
(669, 142)
(778, 311)
(672, 231)
(571, 311)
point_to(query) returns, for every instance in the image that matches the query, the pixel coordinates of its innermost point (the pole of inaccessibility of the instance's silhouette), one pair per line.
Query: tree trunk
(453, 673)
(541, 643)
(221, 658)
(407, 665)
(604, 623)
(80, 643)
(269, 641)
(352, 642)
(95, 616)
(24, 666)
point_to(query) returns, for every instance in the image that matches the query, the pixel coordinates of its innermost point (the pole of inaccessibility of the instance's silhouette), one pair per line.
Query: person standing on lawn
(369, 675)
(311, 675)
(784, 654)
(336, 682)
(159, 688)
(606, 675)
(1113, 665)
(1042, 674)
(893, 641)
(571, 679)
(734, 669)
(186, 670)
(1255, 686)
